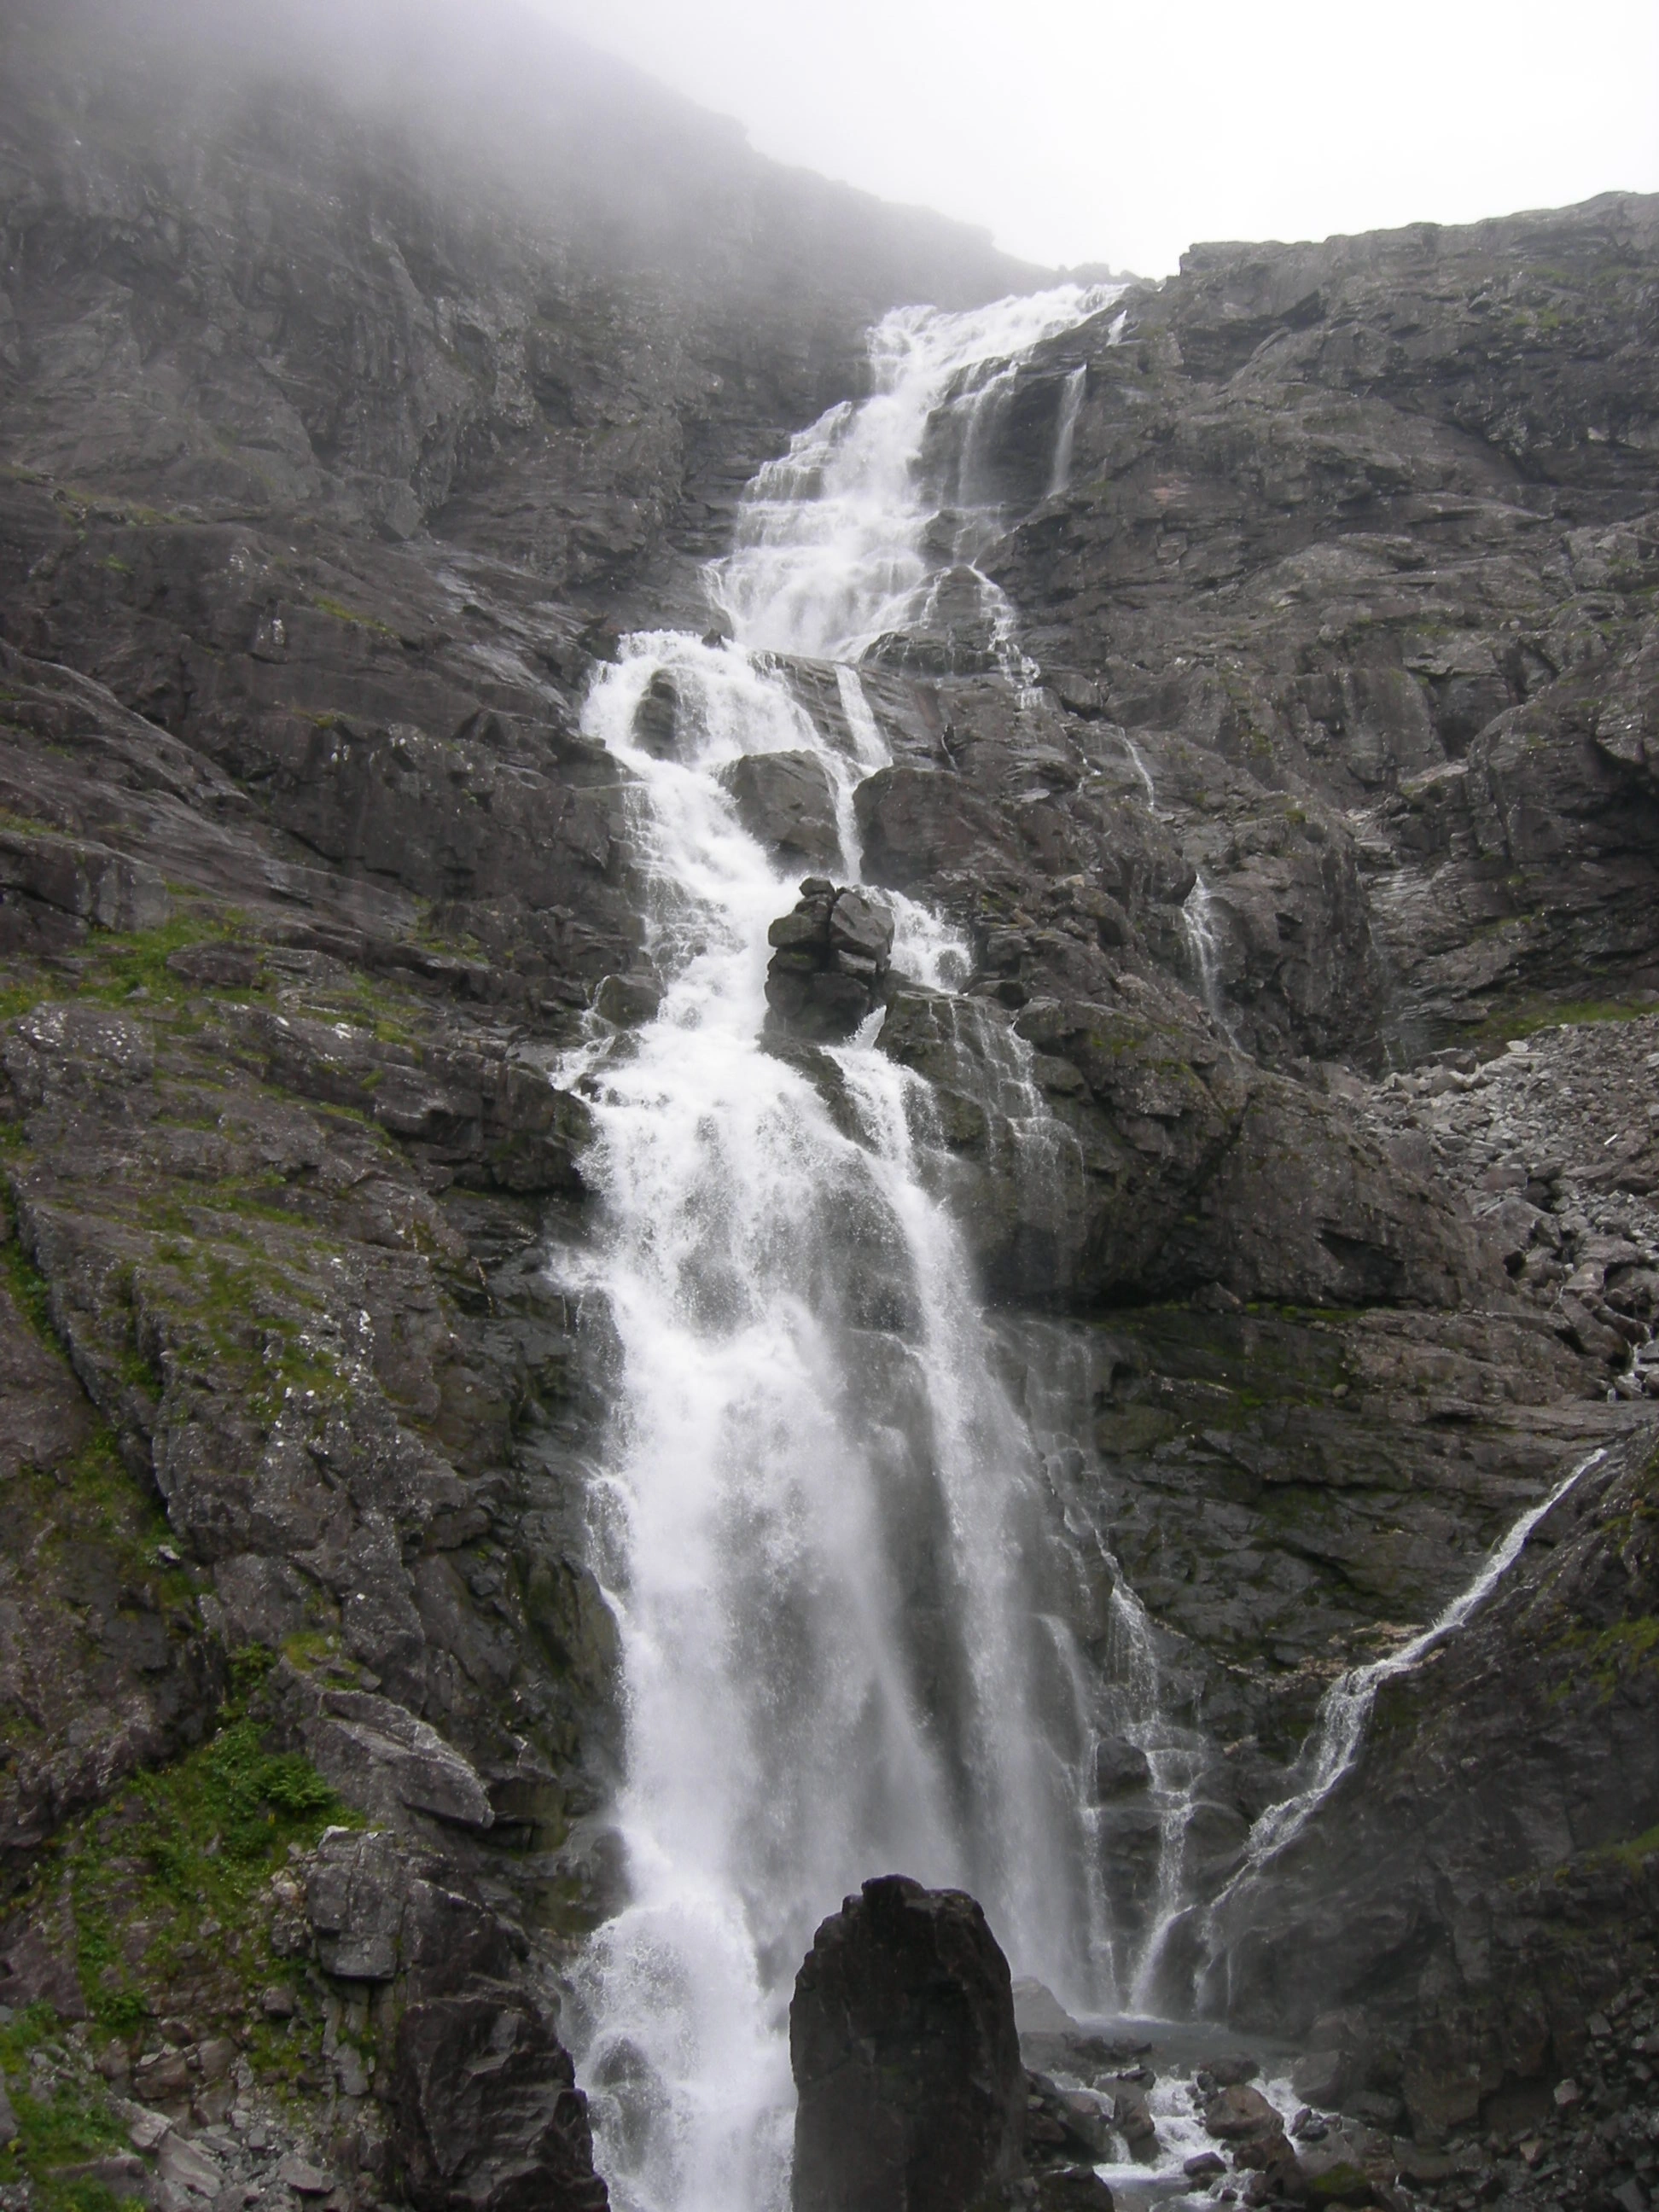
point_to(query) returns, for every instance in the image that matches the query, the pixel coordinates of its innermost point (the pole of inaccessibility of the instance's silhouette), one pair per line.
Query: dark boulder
(485, 2114)
(785, 801)
(1072, 2188)
(488, 2118)
(1120, 1768)
(906, 2057)
(657, 717)
(1236, 2114)
(917, 825)
(629, 1001)
(1132, 2117)
(830, 962)
(1318, 2078)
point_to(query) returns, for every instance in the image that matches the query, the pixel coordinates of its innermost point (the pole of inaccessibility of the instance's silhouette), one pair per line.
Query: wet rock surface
(1541, 1703)
(785, 800)
(906, 2057)
(1377, 626)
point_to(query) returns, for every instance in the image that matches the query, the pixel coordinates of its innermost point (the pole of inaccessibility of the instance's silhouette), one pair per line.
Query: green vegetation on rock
(168, 1881)
(61, 2122)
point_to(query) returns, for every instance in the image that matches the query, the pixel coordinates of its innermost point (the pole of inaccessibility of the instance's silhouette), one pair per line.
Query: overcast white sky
(1098, 131)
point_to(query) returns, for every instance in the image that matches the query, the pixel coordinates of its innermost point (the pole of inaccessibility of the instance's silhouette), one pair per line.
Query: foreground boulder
(488, 2118)
(906, 2057)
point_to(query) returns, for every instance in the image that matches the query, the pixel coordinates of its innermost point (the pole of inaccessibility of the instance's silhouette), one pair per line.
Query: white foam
(799, 1715)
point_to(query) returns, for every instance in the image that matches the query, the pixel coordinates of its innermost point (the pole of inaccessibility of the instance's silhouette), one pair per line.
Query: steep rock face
(281, 1374)
(395, 274)
(1369, 526)
(105, 1665)
(1162, 1161)
(1465, 1900)
(906, 2057)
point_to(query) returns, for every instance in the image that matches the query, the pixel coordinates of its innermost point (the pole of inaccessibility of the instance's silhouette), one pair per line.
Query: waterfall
(1176, 1757)
(1138, 762)
(821, 1521)
(830, 550)
(1345, 1707)
(982, 405)
(1198, 926)
(1070, 401)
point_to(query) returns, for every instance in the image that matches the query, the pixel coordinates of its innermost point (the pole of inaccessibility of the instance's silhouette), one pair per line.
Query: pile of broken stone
(830, 961)
(201, 2133)
(1553, 1141)
(1590, 2143)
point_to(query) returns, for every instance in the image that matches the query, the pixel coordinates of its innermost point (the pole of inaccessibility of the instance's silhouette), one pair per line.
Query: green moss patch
(1527, 1017)
(338, 611)
(22, 1278)
(62, 2120)
(114, 964)
(1605, 1659)
(168, 1882)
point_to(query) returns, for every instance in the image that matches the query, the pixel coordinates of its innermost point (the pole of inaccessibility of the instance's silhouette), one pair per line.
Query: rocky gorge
(699, 1208)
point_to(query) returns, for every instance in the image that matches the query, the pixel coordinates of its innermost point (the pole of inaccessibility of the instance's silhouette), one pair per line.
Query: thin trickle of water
(983, 407)
(1125, 1700)
(1346, 1706)
(1137, 762)
(1204, 943)
(822, 1522)
(867, 739)
(1071, 403)
(1176, 1757)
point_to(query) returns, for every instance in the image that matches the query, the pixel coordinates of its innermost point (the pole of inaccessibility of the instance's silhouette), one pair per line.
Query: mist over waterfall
(823, 1525)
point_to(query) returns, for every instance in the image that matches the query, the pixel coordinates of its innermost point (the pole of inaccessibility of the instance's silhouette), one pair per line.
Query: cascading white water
(1137, 761)
(830, 550)
(821, 1525)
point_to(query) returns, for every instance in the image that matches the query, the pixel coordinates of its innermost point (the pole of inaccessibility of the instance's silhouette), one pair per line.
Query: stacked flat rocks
(830, 960)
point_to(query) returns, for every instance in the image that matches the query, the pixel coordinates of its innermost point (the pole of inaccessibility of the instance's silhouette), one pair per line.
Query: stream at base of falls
(835, 1514)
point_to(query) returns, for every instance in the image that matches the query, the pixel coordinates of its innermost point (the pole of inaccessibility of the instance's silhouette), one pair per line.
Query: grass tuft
(181, 1860)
